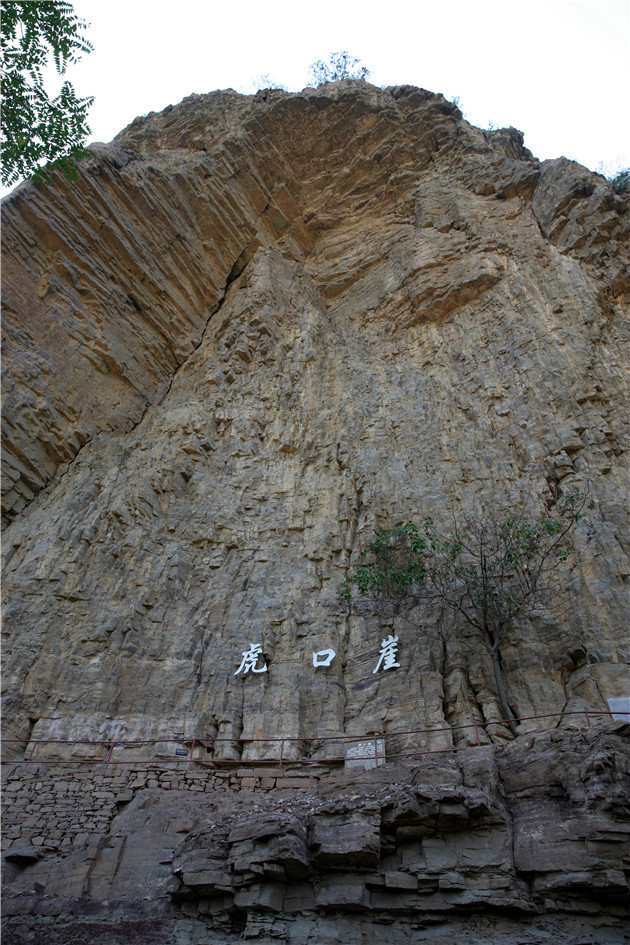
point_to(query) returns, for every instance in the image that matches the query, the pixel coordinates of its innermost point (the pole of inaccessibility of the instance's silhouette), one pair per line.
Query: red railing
(109, 745)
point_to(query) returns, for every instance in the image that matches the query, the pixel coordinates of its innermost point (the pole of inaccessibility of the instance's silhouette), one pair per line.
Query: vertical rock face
(253, 331)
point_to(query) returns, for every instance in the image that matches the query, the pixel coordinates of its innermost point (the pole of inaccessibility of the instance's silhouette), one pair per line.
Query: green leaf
(35, 128)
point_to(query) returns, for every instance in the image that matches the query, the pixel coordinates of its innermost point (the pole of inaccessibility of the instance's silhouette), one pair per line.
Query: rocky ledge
(525, 843)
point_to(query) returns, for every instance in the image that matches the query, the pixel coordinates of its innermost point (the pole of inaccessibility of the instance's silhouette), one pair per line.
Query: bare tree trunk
(507, 712)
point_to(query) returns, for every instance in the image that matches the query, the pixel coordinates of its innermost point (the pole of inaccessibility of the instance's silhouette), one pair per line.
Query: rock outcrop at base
(525, 843)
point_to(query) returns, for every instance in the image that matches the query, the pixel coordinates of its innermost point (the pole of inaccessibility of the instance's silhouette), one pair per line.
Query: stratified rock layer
(525, 843)
(252, 332)
(259, 328)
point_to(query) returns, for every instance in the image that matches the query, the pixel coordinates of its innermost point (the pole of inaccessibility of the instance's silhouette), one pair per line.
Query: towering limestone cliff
(253, 331)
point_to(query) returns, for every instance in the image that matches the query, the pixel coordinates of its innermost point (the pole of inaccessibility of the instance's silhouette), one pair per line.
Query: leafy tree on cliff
(621, 181)
(488, 573)
(339, 65)
(36, 128)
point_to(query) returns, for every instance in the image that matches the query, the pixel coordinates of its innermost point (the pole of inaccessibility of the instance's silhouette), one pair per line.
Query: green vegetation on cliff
(37, 129)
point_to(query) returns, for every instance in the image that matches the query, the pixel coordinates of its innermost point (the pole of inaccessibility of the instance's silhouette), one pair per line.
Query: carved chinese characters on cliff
(254, 661)
(323, 658)
(250, 659)
(387, 657)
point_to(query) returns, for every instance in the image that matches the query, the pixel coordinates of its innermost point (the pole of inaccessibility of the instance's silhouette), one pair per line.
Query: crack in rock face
(255, 330)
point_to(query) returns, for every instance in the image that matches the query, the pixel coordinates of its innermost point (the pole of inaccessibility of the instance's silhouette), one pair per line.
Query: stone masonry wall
(58, 808)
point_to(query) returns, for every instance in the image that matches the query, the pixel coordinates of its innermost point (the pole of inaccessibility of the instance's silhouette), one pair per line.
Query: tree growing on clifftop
(488, 572)
(339, 65)
(36, 128)
(621, 181)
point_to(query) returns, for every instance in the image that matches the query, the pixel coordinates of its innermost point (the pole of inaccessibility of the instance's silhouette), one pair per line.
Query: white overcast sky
(557, 69)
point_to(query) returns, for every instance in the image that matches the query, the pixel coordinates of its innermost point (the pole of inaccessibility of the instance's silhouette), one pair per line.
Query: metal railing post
(190, 756)
(108, 756)
(588, 721)
(281, 754)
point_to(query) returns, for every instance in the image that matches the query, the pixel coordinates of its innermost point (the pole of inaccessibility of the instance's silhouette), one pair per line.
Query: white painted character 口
(250, 658)
(323, 658)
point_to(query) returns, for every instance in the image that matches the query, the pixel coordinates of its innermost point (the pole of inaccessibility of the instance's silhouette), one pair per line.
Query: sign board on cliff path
(620, 708)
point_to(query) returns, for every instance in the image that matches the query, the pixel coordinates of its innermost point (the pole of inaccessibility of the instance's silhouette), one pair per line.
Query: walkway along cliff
(255, 330)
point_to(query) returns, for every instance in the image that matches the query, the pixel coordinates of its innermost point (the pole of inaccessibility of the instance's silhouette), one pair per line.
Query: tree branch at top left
(40, 133)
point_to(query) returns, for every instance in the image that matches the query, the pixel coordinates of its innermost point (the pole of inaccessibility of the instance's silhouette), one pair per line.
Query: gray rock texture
(525, 843)
(253, 331)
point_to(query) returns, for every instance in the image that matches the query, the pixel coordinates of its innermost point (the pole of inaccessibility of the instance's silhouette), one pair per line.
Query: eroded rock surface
(524, 843)
(259, 328)
(254, 330)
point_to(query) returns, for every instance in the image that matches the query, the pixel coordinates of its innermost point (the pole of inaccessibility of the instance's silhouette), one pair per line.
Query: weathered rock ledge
(525, 843)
